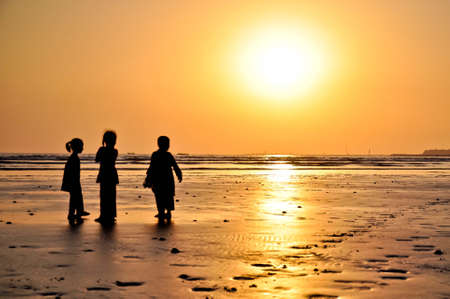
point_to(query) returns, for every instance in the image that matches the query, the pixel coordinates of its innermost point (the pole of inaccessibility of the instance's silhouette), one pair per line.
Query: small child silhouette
(71, 180)
(160, 178)
(107, 177)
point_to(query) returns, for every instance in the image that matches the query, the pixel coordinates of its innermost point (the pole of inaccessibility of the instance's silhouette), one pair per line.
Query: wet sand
(280, 234)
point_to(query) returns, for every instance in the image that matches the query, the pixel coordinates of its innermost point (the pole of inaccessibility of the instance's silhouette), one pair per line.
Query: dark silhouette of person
(160, 178)
(107, 177)
(71, 180)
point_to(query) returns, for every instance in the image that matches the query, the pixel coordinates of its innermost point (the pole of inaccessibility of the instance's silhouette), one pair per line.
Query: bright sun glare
(281, 63)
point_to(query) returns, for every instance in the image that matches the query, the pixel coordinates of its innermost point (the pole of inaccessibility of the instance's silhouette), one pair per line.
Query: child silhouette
(160, 178)
(107, 177)
(71, 180)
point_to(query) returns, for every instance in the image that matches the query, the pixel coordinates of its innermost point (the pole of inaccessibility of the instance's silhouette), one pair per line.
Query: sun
(280, 63)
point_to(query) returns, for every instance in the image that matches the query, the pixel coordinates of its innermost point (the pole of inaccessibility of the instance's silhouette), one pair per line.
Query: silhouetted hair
(163, 142)
(109, 138)
(74, 145)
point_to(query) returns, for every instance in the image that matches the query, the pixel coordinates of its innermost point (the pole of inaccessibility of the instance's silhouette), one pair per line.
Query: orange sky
(149, 68)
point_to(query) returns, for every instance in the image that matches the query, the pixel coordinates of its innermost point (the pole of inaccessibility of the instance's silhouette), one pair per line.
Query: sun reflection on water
(281, 199)
(281, 173)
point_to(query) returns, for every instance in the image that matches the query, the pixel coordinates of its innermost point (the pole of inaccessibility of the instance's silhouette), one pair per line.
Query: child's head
(109, 138)
(75, 145)
(164, 143)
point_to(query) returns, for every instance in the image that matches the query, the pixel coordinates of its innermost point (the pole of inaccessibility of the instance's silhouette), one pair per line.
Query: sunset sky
(304, 77)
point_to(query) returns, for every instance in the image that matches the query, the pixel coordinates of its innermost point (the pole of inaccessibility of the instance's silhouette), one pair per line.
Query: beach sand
(278, 233)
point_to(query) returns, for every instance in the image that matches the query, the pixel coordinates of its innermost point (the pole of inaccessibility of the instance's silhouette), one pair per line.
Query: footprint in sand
(58, 294)
(203, 289)
(396, 256)
(281, 288)
(230, 290)
(29, 246)
(327, 271)
(128, 283)
(63, 266)
(190, 278)
(321, 296)
(341, 235)
(423, 247)
(244, 278)
(394, 277)
(332, 241)
(303, 246)
(252, 276)
(262, 265)
(98, 289)
(131, 257)
(393, 271)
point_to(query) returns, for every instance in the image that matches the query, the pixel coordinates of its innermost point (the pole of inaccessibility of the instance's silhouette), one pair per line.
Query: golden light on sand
(281, 63)
(280, 205)
(281, 173)
(280, 200)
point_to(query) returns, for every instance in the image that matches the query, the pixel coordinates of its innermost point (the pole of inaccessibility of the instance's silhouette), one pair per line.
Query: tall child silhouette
(71, 180)
(107, 177)
(160, 178)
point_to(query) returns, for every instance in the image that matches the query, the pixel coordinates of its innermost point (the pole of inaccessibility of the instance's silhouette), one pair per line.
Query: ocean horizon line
(232, 154)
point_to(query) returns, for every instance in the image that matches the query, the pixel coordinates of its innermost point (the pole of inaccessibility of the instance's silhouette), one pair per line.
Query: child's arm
(67, 177)
(177, 170)
(98, 156)
(148, 178)
(116, 154)
(76, 172)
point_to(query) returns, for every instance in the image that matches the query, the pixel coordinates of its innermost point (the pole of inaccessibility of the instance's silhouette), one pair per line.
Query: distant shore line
(430, 152)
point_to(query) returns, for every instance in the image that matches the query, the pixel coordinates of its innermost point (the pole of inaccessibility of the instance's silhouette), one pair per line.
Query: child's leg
(108, 201)
(80, 204)
(159, 206)
(72, 205)
(169, 205)
(113, 201)
(103, 199)
(168, 215)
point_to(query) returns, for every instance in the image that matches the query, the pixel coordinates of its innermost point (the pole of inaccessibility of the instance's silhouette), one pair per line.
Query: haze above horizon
(226, 77)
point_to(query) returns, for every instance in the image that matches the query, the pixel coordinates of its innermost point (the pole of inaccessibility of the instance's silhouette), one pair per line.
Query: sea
(131, 161)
